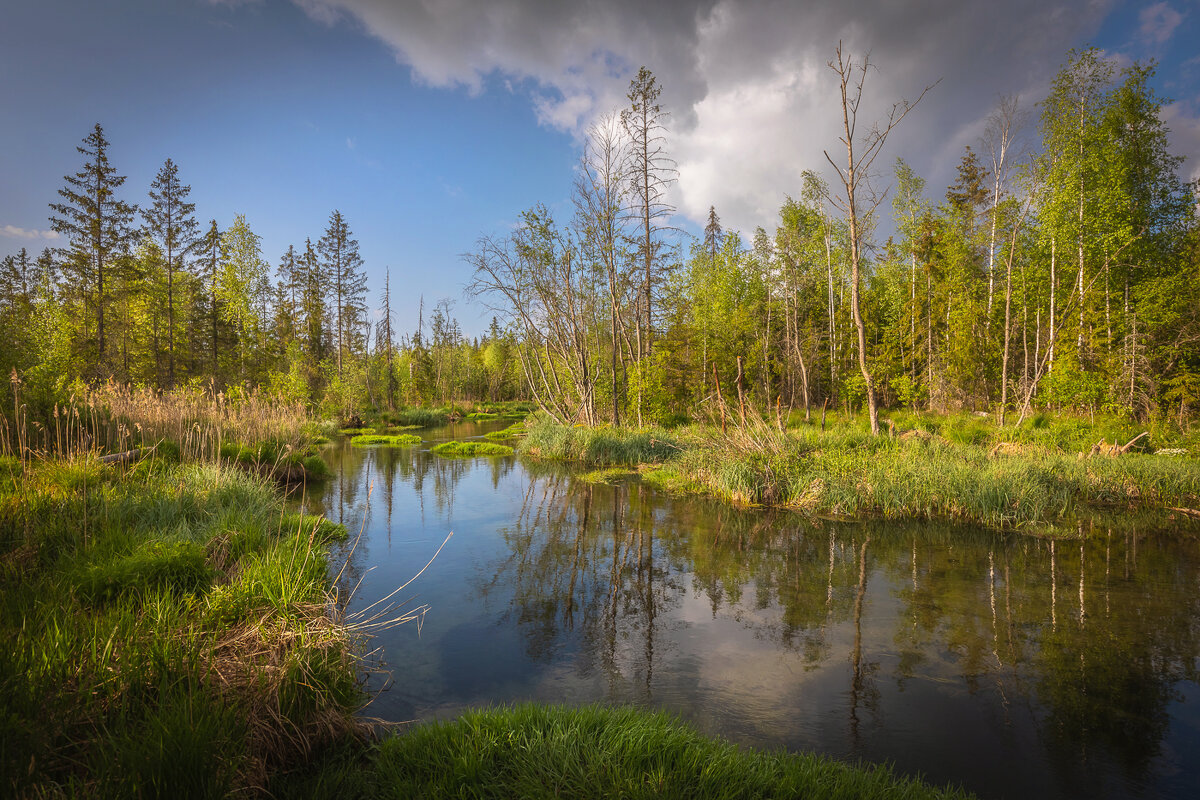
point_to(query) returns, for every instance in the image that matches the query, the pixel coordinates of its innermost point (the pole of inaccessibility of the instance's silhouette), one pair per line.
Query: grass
(112, 418)
(534, 751)
(165, 631)
(472, 449)
(280, 461)
(387, 440)
(509, 433)
(965, 470)
(599, 446)
(609, 475)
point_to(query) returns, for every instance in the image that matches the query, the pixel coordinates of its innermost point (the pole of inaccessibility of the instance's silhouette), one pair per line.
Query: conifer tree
(97, 226)
(170, 221)
(211, 254)
(343, 266)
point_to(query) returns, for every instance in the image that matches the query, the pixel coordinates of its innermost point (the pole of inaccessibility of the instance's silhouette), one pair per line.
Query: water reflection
(1010, 664)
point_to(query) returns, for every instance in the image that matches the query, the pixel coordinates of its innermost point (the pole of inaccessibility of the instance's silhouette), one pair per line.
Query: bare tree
(600, 219)
(860, 201)
(535, 281)
(1004, 125)
(651, 172)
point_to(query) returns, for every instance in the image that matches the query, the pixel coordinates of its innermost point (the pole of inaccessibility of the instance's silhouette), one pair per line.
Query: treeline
(1058, 271)
(149, 296)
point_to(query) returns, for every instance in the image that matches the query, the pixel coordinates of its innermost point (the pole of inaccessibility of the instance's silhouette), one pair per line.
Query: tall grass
(111, 418)
(953, 472)
(598, 446)
(167, 631)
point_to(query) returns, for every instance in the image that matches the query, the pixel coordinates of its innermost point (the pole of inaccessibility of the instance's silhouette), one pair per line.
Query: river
(1012, 665)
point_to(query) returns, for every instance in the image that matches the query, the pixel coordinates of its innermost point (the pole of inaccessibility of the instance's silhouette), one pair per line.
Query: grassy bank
(543, 752)
(960, 469)
(165, 631)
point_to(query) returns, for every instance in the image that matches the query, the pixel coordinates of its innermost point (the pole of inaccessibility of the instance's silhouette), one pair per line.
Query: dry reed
(112, 418)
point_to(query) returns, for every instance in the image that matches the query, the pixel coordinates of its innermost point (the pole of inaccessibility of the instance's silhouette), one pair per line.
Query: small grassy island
(386, 440)
(456, 448)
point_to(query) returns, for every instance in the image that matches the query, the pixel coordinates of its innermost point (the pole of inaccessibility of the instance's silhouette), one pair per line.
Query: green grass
(599, 446)
(277, 460)
(506, 434)
(535, 751)
(472, 449)
(609, 475)
(953, 472)
(388, 440)
(165, 632)
(421, 417)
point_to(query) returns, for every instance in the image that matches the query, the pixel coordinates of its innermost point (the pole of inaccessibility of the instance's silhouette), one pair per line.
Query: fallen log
(122, 458)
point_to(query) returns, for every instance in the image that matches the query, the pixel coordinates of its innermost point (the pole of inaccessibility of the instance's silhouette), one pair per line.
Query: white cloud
(14, 232)
(753, 103)
(1185, 136)
(1156, 23)
(350, 143)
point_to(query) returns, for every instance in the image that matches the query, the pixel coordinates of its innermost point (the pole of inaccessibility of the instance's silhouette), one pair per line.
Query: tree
(241, 272)
(854, 180)
(97, 225)
(343, 267)
(599, 198)
(170, 221)
(651, 171)
(387, 338)
(211, 250)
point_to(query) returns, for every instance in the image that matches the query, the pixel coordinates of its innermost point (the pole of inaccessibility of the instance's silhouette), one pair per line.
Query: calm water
(1015, 666)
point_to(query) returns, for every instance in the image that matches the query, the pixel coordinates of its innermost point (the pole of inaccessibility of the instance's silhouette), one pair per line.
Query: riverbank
(931, 468)
(166, 628)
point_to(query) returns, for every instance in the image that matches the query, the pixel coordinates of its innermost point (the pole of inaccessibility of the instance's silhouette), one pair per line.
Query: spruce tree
(211, 250)
(343, 266)
(97, 226)
(170, 222)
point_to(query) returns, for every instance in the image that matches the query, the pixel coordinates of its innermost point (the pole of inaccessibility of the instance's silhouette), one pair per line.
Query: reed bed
(112, 418)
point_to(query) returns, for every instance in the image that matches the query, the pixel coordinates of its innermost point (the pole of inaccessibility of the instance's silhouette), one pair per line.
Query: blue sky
(430, 124)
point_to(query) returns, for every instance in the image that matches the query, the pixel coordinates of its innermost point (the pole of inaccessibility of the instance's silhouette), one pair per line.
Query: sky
(430, 123)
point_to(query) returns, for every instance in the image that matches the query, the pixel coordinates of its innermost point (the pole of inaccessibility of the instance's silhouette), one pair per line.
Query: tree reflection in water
(1009, 663)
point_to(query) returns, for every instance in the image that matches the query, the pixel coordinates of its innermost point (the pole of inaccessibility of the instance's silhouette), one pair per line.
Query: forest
(1058, 271)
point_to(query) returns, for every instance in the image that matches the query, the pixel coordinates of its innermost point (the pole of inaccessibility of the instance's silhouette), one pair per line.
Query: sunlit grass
(165, 629)
(471, 449)
(1001, 478)
(386, 440)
